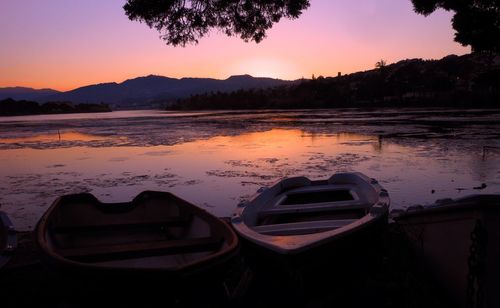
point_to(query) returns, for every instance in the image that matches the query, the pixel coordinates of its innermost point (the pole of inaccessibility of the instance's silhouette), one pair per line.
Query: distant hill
(142, 92)
(153, 90)
(25, 93)
(456, 81)
(467, 80)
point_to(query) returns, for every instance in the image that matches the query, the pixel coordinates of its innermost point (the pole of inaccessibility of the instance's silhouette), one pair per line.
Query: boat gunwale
(489, 202)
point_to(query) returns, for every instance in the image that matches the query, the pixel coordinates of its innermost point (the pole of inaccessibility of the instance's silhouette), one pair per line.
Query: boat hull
(352, 250)
(156, 241)
(457, 242)
(8, 239)
(305, 230)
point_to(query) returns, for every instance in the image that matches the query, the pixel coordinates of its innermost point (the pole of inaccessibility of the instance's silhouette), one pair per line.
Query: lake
(218, 159)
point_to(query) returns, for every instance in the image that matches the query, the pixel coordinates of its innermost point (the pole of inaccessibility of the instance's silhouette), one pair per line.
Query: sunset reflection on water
(217, 172)
(65, 136)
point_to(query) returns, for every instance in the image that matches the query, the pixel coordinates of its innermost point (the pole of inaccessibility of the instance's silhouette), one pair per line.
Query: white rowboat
(296, 214)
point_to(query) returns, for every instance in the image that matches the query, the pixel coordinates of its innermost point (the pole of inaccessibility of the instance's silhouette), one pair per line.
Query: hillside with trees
(455, 81)
(10, 107)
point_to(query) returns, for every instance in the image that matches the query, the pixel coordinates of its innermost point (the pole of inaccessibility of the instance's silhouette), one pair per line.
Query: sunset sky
(65, 44)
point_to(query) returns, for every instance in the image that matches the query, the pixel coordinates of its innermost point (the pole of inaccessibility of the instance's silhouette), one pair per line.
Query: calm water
(217, 159)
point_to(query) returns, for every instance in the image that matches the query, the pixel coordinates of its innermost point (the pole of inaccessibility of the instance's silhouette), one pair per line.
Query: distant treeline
(10, 107)
(466, 81)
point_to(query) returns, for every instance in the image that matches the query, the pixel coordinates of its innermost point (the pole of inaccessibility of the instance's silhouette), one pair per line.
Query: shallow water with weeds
(218, 159)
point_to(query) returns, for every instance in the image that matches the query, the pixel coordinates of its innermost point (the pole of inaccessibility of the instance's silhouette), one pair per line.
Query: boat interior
(151, 232)
(310, 210)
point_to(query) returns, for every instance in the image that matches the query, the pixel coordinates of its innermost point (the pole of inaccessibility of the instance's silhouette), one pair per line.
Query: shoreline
(394, 278)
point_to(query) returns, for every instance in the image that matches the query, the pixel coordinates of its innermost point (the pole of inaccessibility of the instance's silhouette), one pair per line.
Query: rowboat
(155, 236)
(457, 241)
(8, 239)
(298, 221)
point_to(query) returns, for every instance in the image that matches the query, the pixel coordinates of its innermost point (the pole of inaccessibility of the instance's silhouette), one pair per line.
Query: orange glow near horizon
(65, 45)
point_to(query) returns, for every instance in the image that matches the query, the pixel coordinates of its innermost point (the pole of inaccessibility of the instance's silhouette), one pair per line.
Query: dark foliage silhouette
(10, 107)
(185, 21)
(381, 64)
(477, 22)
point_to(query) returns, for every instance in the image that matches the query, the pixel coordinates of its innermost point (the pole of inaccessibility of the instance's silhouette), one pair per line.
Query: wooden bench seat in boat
(310, 208)
(302, 227)
(176, 221)
(140, 250)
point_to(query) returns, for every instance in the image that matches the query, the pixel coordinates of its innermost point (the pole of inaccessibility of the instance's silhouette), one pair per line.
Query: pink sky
(65, 44)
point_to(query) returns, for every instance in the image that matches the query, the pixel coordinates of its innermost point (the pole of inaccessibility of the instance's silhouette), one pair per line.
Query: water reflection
(217, 172)
(59, 136)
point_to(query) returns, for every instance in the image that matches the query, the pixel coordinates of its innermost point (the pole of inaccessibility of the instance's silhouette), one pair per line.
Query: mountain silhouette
(25, 93)
(150, 90)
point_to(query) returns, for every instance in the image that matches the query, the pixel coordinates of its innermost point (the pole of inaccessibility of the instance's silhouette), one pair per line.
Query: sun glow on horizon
(266, 67)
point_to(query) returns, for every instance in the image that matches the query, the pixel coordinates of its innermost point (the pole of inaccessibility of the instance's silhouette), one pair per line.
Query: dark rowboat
(458, 242)
(8, 239)
(156, 236)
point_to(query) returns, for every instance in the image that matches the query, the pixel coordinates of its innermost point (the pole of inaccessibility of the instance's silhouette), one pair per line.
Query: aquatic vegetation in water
(218, 159)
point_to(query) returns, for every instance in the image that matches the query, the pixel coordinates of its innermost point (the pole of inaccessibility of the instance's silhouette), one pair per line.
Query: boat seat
(177, 221)
(141, 250)
(302, 227)
(311, 208)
